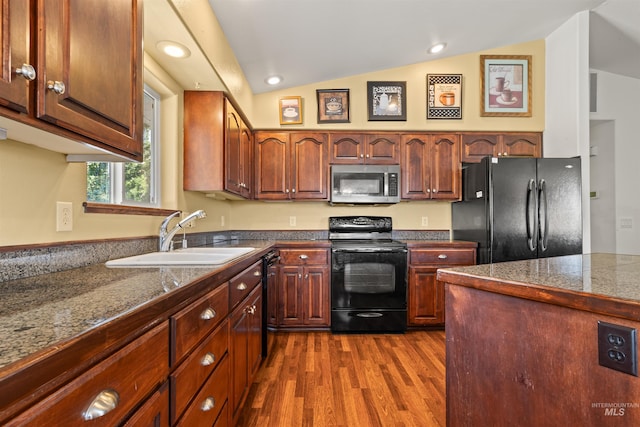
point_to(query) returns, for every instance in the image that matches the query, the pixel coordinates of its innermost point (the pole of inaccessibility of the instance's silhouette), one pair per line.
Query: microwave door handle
(386, 184)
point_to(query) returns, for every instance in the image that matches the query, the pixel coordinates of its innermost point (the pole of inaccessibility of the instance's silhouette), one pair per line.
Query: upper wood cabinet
(218, 146)
(361, 148)
(430, 166)
(476, 145)
(291, 165)
(77, 83)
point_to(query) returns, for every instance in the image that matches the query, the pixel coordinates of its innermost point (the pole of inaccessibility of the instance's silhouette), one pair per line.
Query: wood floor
(320, 379)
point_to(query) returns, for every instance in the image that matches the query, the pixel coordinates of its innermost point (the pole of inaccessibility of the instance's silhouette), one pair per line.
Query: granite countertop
(602, 283)
(38, 312)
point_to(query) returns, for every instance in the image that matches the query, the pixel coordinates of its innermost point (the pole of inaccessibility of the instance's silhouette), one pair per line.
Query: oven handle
(371, 250)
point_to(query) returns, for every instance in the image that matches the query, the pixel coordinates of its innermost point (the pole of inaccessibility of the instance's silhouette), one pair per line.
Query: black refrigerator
(520, 208)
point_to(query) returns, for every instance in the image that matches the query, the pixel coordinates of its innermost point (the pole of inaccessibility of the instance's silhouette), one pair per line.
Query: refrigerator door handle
(532, 212)
(543, 216)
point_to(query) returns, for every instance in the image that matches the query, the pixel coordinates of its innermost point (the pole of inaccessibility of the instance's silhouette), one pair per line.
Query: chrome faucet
(166, 237)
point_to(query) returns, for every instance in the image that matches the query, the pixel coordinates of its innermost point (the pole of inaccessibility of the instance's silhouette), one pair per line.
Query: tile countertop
(601, 283)
(38, 312)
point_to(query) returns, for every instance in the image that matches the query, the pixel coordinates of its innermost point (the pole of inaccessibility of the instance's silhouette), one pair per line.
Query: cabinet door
(317, 306)
(475, 146)
(14, 21)
(254, 327)
(238, 341)
(272, 165)
(426, 297)
(290, 309)
(445, 167)
(522, 145)
(346, 148)
(98, 79)
(154, 412)
(309, 167)
(232, 150)
(246, 161)
(272, 295)
(382, 149)
(415, 171)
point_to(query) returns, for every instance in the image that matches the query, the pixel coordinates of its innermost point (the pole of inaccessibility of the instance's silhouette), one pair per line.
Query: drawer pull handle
(208, 404)
(208, 359)
(442, 256)
(208, 314)
(242, 286)
(257, 273)
(105, 402)
(304, 256)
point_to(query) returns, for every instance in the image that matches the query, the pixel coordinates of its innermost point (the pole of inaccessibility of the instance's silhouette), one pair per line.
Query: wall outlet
(617, 348)
(292, 221)
(425, 221)
(64, 216)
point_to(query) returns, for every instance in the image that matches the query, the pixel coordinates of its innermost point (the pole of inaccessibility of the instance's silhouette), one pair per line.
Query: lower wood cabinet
(107, 393)
(303, 298)
(426, 294)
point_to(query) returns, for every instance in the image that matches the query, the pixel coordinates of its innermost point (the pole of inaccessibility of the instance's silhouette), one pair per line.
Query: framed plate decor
(444, 96)
(506, 85)
(387, 100)
(333, 105)
(290, 110)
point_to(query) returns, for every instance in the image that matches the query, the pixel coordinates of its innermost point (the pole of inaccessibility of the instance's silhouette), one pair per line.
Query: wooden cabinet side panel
(203, 143)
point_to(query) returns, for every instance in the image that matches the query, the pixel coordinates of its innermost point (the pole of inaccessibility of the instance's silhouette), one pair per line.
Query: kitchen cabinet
(426, 294)
(430, 167)
(199, 344)
(110, 390)
(364, 148)
(218, 146)
(476, 145)
(303, 288)
(62, 75)
(291, 166)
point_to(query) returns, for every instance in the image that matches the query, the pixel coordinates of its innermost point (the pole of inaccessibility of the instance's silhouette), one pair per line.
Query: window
(135, 184)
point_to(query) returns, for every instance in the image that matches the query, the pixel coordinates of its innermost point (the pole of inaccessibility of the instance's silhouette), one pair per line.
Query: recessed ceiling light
(273, 80)
(173, 49)
(436, 48)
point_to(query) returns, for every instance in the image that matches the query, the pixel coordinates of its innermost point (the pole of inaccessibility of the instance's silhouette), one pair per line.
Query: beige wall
(33, 179)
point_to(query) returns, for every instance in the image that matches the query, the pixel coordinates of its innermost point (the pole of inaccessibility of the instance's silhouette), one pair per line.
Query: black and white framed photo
(387, 100)
(444, 96)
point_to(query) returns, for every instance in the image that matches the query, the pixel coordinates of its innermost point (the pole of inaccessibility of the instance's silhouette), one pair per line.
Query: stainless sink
(189, 256)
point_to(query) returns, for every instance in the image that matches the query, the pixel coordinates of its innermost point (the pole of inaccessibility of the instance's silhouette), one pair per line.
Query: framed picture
(444, 96)
(333, 105)
(290, 108)
(506, 85)
(387, 100)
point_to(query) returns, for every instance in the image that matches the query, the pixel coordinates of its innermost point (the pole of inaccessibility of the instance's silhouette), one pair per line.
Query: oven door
(369, 278)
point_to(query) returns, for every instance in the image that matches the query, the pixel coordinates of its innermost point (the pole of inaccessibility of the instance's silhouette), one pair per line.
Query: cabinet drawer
(443, 256)
(187, 379)
(197, 320)
(154, 412)
(243, 283)
(210, 400)
(122, 381)
(304, 256)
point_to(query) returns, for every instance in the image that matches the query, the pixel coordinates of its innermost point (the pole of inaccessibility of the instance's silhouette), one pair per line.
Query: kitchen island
(522, 341)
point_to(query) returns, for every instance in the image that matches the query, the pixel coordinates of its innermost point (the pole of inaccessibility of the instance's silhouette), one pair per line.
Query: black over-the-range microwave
(365, 184)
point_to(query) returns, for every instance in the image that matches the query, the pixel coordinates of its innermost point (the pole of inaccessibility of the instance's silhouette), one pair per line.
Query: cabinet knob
(361, 155)
(208, 404)
(368, 156)
(428, 190)
(27, 71)
(242, 286)
(208, 359)
(105, 402)
(56, 86)
(304, 256)
(442, 256)
(435, 190)
(504, 154)
(257, 273)
(293, 190)
(208, 314)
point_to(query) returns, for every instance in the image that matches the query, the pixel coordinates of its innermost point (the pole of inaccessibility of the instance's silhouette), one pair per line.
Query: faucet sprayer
(166, 237)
